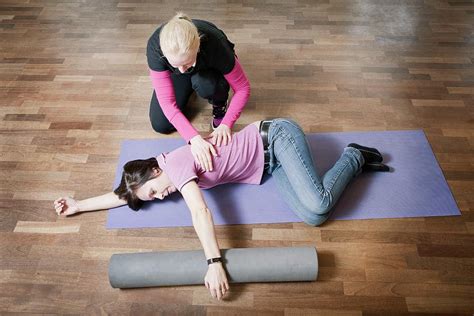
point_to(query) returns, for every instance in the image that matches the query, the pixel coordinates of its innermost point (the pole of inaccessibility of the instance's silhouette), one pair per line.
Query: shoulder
(182, 154)
(215, 45)
(180, 167)
(154, 40)
(153, 52)
(207, 27)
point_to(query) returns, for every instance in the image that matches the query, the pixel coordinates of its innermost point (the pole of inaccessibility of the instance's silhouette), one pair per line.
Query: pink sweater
(161, 81)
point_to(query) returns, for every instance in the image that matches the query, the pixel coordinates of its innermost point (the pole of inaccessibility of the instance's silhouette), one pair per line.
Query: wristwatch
(214, 260)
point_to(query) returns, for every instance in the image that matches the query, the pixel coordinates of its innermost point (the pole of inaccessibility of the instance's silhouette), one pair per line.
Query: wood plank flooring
(74, 83)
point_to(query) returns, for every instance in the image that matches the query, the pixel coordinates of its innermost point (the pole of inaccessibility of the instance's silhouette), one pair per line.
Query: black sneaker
(380, 167)
(371, 155)
(218, 113)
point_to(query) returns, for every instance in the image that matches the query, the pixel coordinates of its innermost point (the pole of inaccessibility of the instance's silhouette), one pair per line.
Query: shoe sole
(377, 167)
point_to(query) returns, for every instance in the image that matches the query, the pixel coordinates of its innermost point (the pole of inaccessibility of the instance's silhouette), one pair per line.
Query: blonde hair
(179, 36)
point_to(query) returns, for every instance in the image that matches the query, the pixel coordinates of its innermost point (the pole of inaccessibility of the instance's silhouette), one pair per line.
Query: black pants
(208, 84)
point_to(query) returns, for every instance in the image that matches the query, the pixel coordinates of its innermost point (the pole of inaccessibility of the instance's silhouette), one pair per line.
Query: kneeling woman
(278, 147)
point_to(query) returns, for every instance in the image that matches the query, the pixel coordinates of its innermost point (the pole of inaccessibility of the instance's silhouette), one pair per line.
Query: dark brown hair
(135, 174)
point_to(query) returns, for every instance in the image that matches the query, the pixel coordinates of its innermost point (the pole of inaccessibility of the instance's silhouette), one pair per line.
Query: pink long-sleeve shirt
(163, 85)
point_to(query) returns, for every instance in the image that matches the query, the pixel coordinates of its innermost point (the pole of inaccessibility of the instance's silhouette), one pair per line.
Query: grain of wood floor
(74, 83)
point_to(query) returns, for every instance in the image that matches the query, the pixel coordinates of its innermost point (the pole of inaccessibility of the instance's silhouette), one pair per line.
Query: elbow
(246, 90)
(243, 92)
(200, 215)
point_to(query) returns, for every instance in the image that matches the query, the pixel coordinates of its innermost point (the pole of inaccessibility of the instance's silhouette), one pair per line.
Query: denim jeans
(291, 163)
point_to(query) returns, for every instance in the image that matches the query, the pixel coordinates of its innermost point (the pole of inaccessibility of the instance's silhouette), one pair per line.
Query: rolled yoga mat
(243, 265)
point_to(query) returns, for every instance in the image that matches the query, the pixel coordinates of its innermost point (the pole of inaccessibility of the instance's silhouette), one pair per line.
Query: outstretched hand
(202, 150)
(221, 135)
(66, 206)
(216, 280)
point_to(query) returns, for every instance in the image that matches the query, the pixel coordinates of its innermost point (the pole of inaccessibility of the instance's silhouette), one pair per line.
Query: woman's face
(182, 62)
(157, 188)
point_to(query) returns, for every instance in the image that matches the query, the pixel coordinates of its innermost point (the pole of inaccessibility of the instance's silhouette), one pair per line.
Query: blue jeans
(291, 163)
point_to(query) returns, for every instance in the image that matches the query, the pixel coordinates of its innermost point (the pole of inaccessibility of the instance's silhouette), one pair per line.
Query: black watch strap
(214, 260)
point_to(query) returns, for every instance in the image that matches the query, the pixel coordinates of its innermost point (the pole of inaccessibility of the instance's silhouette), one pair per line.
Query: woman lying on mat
(278, 147)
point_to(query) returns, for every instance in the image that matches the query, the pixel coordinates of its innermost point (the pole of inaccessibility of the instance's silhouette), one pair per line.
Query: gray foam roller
(168, 268)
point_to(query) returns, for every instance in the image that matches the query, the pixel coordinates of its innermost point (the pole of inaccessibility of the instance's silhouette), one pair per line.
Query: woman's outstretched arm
(68, 206)
(216, 278)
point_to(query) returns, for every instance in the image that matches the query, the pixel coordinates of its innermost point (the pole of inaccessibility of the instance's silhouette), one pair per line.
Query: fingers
(227, 138)
(217, 293)
(201, 159)
(218, 290)
(201, 162)
(59, 206)
(220, 138)
(203, 153)
(213, 150)
(213, 139)
(58, 210)
(223, 290)
(205, 161)
(209, 158)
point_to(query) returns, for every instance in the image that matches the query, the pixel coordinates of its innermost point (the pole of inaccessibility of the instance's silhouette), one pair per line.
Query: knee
(315, 214)
(204, 85)
(162, 127)
(315, 222)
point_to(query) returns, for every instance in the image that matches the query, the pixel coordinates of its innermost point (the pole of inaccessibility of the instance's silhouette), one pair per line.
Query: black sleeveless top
(215, 51)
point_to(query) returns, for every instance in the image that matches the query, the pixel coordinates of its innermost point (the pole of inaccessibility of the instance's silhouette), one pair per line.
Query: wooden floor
(74, 84)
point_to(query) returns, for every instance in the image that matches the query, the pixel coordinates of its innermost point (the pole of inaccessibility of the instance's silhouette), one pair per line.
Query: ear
(156, 172)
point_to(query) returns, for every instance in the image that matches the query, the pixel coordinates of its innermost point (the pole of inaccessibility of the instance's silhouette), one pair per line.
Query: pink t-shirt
(240, 161)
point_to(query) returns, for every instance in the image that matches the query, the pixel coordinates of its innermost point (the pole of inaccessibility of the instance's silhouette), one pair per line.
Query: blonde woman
(187, 55)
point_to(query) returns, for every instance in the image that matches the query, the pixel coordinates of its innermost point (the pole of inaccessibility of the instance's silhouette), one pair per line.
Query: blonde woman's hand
(221, 135)
(202, 151)
(216, 280)
(66, 206)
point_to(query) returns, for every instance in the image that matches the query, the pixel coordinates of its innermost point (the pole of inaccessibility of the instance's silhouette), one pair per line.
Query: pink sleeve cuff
(241, 86)
(161, 81)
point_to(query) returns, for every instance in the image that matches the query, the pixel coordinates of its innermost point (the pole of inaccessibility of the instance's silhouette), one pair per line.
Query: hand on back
(203, 151)
(222, 135)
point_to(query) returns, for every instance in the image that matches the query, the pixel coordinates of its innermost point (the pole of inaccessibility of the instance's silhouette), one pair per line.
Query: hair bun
(182, 16)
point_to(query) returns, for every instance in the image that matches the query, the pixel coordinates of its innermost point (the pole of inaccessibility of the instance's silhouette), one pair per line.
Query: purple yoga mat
(415, 187)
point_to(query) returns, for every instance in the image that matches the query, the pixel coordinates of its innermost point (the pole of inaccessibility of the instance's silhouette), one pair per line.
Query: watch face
(213, 260)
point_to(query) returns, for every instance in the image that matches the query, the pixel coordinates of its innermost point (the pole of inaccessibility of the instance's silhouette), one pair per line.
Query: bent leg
(211, 85)
(290, 152)
(309, 216)
(183, 90)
